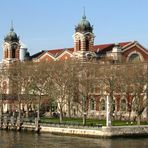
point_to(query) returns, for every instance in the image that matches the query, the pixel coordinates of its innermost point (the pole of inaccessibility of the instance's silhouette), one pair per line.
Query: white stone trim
(129, 44)
(46, 54)
(80, 36)
(63, 53)
(135, 52)
(43, 55)
(137, 45)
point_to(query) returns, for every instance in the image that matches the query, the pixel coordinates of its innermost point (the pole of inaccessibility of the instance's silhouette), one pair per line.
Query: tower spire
(84, 16)
(11, 29)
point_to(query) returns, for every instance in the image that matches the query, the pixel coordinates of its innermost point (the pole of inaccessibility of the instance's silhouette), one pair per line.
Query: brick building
(84, 49)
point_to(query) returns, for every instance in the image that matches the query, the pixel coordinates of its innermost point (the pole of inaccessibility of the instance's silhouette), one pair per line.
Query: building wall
(136, 49)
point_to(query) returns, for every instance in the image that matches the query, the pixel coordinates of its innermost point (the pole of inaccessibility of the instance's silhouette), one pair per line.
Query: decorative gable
(135, 50)
(65, 55)
(45, 57)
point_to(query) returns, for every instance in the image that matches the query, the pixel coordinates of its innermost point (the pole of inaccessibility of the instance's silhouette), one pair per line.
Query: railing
(70, 124)
(15, 123)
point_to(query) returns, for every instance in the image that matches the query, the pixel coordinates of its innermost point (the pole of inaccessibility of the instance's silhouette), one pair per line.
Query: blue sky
(49, 24)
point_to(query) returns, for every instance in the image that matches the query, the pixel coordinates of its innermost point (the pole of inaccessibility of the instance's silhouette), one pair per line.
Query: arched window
(102, 105)
(13, 48)
(79, 45)
(134, 58)
(87, 45)
(92, 104)
(123, 105)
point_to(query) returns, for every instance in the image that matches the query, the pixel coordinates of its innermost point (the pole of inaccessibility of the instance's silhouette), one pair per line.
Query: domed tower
(11, 46)
(83, 39)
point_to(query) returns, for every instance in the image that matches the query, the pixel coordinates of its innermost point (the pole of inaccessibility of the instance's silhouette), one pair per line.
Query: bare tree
(110, 79)
(86, 83)
(146, 86)
(27, 86)
(38, 82)
(124, 89)
(3, 88)
(138, 85)
(16, 81)
(61, 75)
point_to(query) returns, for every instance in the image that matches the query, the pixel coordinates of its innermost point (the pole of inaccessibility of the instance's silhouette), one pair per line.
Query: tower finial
(11, 29)
(84, 16)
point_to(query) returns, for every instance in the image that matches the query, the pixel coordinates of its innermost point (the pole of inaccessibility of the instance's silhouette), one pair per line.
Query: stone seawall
(97, 132)
(106, 132)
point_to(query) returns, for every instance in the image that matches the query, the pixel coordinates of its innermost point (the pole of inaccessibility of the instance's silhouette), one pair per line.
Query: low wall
(124, 131)
(107, 132)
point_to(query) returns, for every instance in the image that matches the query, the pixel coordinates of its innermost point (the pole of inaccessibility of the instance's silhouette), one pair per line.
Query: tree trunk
(27, 111)
(1, 112)
(19, 114)
(129, 115)
(69, 109)
(138, 119)
(84, 118)
(147, 113)
(1, 107)
(38, 110)
(19, 111)
(61, 115)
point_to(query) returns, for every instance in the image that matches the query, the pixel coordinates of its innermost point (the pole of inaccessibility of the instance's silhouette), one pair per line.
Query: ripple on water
(10, 139)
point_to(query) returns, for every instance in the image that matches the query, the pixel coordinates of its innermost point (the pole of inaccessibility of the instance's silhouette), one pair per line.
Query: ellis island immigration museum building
(84, 51)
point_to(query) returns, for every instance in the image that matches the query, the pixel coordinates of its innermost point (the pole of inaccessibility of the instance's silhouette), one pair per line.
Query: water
(9, 139)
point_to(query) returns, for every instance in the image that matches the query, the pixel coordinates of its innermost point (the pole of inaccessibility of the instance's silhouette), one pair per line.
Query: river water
(10, 139)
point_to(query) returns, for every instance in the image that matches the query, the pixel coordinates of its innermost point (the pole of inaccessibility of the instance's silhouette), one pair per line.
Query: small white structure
(23, 52)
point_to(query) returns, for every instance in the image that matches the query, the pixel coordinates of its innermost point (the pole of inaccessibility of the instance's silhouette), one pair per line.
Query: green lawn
(89, 122)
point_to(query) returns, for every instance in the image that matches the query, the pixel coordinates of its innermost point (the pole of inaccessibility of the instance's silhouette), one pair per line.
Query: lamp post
(108, 120)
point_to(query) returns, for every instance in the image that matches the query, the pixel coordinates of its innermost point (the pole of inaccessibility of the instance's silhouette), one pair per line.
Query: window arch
(102, 105)
(135, 57)
(123, 105)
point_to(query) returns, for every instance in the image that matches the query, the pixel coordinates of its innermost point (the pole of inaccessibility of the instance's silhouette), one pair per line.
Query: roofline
(136, 43)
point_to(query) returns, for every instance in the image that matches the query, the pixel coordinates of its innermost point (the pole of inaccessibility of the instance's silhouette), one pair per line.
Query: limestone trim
(79, 35)
(135, 52)
(45, 53)
(129, 44)
(63, 53)
(138, 46)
